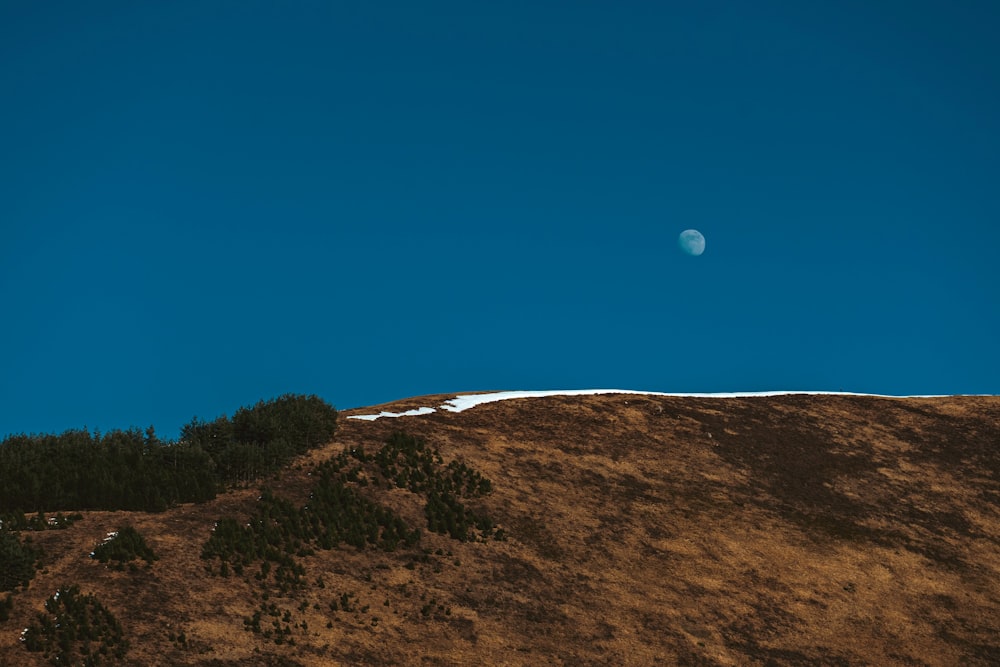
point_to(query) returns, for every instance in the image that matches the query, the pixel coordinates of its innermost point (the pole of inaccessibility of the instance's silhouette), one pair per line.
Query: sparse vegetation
(340, 511)
(271, 622)
(408, 462)
(337, 512)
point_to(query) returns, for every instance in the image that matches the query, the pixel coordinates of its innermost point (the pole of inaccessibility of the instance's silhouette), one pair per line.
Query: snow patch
(408, 413)
(111, 535)
(461, 403)
(464, 402)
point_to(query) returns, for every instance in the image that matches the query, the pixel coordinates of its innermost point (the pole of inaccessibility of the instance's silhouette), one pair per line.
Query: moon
(692, 242)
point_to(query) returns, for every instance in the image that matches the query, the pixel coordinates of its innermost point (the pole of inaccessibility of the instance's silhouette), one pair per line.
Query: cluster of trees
(279, 531)
(261, 439)
(280, 622)
(447, 514)
(77, 629)
(129, 470)
(135, 470)
(410, 463)
(273, 535)
(126, 545)
(17, 561)
(338, 512)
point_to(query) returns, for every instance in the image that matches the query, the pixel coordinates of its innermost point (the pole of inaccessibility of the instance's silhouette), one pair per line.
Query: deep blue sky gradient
(207, 203)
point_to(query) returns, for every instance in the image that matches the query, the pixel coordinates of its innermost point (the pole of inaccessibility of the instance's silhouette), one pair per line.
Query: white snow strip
(460, 403)
(408, 413)
(111, 535)
(464, 402)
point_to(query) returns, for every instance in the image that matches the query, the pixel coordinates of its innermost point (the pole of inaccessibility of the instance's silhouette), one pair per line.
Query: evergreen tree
(17, 561)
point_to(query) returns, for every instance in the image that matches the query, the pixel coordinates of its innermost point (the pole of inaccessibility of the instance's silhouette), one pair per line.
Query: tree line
(135, 470)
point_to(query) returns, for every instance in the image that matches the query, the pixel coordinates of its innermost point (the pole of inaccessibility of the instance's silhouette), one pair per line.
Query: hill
(594, 529)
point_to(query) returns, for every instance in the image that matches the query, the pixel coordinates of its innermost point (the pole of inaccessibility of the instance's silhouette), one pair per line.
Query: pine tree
(17, 560)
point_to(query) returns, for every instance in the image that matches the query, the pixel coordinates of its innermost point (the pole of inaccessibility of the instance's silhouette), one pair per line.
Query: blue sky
(203, 204)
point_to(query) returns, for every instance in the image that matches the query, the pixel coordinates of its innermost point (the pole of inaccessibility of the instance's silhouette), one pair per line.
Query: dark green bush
(125, 545)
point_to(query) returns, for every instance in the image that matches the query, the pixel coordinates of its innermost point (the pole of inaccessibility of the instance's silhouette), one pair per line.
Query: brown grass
(794, 530)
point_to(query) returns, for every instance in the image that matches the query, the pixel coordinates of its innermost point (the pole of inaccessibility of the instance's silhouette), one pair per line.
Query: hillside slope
(792, 530)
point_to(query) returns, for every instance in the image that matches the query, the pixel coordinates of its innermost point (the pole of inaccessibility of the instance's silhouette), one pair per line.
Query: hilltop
(611, 528)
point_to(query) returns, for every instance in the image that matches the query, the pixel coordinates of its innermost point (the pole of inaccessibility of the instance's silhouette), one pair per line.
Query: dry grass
(793, 530)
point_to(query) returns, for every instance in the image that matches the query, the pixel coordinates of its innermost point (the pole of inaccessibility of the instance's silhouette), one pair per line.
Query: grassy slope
(789, 530)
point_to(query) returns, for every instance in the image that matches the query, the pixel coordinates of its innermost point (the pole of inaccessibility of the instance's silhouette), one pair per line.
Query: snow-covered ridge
(464, 402)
